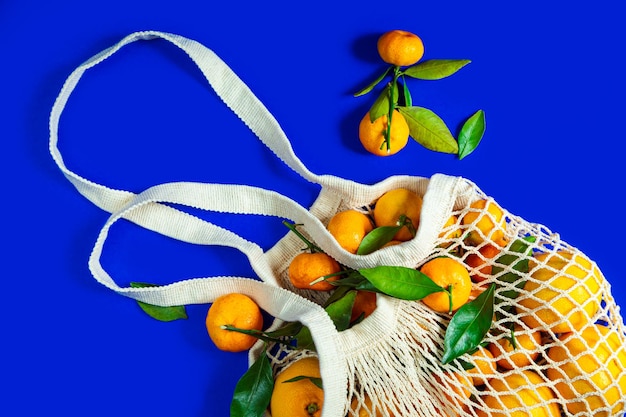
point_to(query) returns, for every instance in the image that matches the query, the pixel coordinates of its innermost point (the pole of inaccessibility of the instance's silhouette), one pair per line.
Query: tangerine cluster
(551, 323)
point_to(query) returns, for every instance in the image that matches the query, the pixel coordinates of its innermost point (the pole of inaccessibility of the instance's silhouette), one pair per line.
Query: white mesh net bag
(555, 345)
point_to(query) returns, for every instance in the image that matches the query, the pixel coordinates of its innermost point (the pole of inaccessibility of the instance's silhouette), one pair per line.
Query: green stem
(312, 408)
(404, 220)
(392, 105)
(449, 292)
(512, 339)
(256, 333)
(326, 277)
(310, 245)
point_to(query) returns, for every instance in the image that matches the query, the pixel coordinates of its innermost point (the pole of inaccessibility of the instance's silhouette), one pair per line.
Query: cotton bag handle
(279, 302)
(238, 97)
(228, 86)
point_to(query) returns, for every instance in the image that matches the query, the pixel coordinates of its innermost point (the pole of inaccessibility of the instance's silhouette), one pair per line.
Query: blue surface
(547, 75)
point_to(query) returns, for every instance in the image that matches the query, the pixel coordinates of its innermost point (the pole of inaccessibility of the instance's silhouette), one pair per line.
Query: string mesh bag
(550, 302)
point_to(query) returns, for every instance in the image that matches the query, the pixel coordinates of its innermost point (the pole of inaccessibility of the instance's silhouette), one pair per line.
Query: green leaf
(400, 282)
(408, 100)
(518, 260)
(157, 312)
(435, 69)
(287, 330)
(471, 133)
(465, 365)
(469, 325)
(377, 238)
(382, 103)
(304, 339)
(254, 390)
(429, 130)
(355, 280)
(315, 380)
(340, 311)
(374, 83)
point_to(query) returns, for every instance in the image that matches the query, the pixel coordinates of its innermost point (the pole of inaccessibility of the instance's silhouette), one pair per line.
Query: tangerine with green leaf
(349, 227)
(393, 205)
(236, 310)
(300, 398)
(452, 276)
(372, 134)
(306, 267)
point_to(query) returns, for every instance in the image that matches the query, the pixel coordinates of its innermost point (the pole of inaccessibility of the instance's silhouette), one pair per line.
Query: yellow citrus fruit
(457, 389)
(372, 134)
(395, 203)
(449, 274)
(365, 408)
(450, 231)
(517, 351)
(399, 47)
(597, 377)
(300, 398)
(565, 292)
(481, 262)
(364, 304)
(484, 366)
(490, 222)
(307, 267)
(236, 310)
(519, 394)
(349, 227)
(392, 243)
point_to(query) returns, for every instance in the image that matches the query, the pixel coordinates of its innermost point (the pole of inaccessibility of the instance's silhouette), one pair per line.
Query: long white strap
(228, 86)
(146, 209)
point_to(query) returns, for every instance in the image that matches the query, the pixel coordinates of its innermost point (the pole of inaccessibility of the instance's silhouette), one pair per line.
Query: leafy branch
(425, 127)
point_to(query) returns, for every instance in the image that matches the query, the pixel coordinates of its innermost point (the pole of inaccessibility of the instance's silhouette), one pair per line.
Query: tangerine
(236, 310)
(307, 267)
(364, 304)
(372, 134)
(519, 394)
(400, 47)
(484, 366)
(301, 398)
(564, 292)
(517, 350)
(487, 221)
(451, 275)
(590, 370)
(392, 205)
(349, 227)
(481, 262)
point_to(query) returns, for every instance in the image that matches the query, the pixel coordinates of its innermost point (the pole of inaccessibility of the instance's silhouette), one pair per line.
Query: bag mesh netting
(556, 343)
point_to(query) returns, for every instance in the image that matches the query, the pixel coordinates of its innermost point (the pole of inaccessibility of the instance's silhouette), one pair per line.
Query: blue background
(547, 74)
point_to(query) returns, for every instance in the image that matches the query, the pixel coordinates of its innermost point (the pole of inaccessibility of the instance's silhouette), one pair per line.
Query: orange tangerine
(451, 275)
(400, 47)
(395, 203)
(519, 394)
(372, 134)
(301, 398)
(518, 350)
(236, 310)
(487, 220)
(307, 267)
(349, 227)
